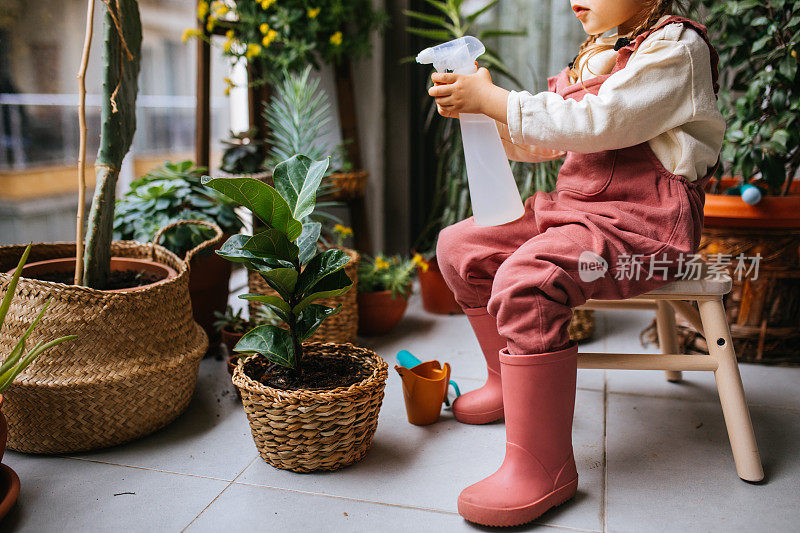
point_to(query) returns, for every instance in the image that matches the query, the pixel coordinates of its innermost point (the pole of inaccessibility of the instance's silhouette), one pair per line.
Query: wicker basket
(304, 430)
(339, 328)
(131, 371)
(582, 326)
(348, 185)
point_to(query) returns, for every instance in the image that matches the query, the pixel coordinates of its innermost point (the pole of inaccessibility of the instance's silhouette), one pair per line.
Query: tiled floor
(652, 456)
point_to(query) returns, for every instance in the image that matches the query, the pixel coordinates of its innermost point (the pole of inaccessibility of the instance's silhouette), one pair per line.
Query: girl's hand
(475, 93)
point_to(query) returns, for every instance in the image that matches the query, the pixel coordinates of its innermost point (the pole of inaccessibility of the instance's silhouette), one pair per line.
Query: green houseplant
(128, 301)
(173, 192)
(242, 155)
(279, 376)
(298, 114)
(384, 287)
(760, 98)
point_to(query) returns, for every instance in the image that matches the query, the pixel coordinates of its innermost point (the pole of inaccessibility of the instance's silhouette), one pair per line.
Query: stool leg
(731, 391)
(667, 335)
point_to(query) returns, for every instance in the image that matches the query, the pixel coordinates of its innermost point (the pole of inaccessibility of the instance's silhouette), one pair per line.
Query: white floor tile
(670, 468)
(59, 495)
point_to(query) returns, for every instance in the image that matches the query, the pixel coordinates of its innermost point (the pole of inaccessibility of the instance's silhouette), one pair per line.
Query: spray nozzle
(458, 56)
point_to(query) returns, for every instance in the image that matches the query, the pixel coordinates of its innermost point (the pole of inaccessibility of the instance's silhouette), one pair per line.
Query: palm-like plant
(298, 117)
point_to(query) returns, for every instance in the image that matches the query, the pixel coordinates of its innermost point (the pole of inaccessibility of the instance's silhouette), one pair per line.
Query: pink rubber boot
(539, 468)
(483, 405)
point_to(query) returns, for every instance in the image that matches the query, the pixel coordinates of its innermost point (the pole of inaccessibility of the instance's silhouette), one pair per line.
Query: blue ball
(751, 194)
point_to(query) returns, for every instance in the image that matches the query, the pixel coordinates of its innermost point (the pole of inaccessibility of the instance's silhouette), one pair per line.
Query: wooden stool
(712, 323)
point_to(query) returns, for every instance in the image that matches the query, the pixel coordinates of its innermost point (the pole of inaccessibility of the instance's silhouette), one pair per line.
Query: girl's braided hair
(655, 9)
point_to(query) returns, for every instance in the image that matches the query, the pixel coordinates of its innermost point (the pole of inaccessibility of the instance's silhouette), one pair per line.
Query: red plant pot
(229, 339)
(437, 297)
(379, 313)
(209, 280)
(3, 430)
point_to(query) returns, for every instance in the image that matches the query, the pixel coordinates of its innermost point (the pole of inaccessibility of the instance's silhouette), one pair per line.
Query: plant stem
(87, 46)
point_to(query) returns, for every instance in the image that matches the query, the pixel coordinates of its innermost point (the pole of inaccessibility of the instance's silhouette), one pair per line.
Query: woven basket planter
(339, 328)
(131, 371)
(581, 327)
(348, 185)
(305, 430)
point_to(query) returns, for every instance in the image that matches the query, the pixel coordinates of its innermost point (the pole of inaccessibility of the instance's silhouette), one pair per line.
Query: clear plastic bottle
(493, 191)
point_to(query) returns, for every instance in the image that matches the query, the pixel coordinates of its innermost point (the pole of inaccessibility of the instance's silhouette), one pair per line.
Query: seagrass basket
(132, 369)
(581, 327)
(306, 430)
(339, 328)
(348, 185)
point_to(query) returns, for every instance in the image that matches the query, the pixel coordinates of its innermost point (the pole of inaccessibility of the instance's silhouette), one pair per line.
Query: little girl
(636, 114)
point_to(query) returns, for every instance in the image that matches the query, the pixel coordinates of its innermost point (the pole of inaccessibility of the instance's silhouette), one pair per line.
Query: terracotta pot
(230, 338)
(379, 313)
(3, 430)
(778, 212)
(9, 489)
(436, 295)
(67, 264)
(232, 362)
(209, 281)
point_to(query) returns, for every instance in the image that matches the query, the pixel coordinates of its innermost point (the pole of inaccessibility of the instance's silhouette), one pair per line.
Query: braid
(655, 10)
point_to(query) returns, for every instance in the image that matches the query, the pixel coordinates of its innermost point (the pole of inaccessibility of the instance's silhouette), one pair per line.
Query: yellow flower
(227, 45)
(202, 10)
(344, 231)
(252, 50)
(229, 34)
(381, 264)
(420, 262)
(210, 24)
(227, 91)
(336, 38)
(313, 12)
(268, 38)
(188, 33)
(266, 3)
(264, 28)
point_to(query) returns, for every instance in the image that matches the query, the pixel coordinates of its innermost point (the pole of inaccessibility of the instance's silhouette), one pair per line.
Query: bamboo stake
(87, 46)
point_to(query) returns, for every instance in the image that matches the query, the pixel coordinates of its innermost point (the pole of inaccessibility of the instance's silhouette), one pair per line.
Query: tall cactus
(122, 51)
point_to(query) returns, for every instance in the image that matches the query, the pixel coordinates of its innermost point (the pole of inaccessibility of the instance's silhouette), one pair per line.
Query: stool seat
(718, 286)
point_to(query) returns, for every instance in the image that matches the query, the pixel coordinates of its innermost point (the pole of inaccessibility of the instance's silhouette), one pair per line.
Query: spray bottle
(493, 191)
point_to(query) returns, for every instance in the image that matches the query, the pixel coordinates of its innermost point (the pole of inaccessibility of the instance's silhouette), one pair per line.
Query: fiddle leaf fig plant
(286, 256)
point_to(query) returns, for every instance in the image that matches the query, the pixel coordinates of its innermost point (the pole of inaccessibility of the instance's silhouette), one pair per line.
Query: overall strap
(626, 51)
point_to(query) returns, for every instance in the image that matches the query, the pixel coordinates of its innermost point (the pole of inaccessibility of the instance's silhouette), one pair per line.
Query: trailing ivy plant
(286, 256)
(759, 47)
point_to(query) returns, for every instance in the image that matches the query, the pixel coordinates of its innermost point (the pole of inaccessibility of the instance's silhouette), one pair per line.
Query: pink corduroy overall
(621, 205)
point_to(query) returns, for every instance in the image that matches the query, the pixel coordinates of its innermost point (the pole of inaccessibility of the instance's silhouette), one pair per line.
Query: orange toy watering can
(424, 390)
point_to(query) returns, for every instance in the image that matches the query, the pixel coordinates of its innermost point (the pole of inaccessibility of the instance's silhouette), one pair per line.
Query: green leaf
(328, 287)
(297, 180)
(276, 303)
(272, 244)
(12, 285)
(272, 342)
(436, 35)
(261, 199)
(283, 280)
(307, 242)
(474, 16)
(312, 317)
(424, 17)
(321, 265)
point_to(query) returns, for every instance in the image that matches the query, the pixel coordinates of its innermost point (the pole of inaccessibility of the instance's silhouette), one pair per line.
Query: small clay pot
(3, 430)
(209, 279)
(233, 360)
(230, 338)
(379, 313)
(437, 297)
(67, 264)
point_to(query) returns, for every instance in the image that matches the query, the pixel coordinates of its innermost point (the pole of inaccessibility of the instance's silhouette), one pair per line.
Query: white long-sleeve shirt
(664, 95)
